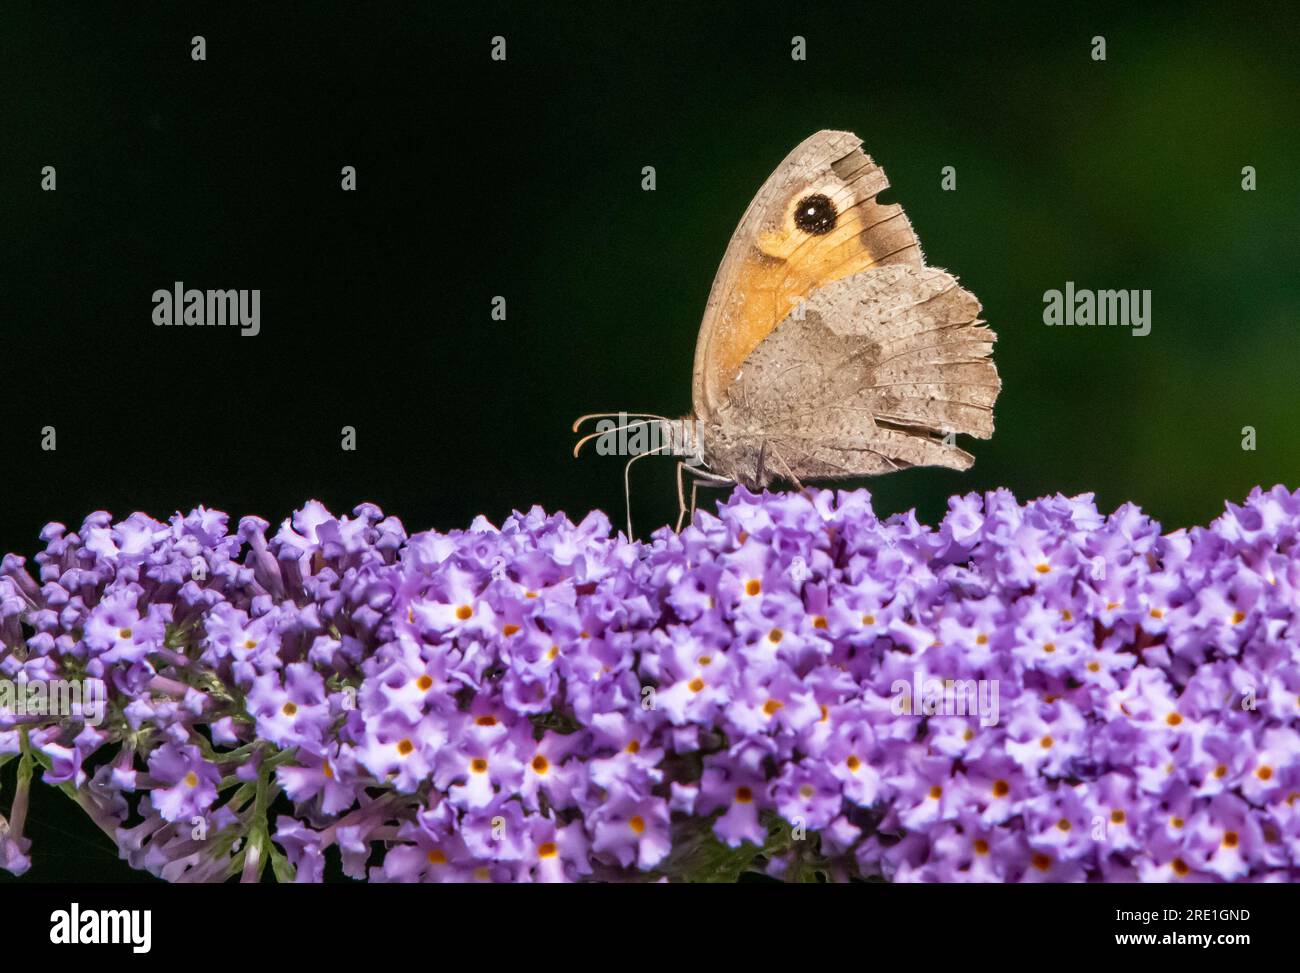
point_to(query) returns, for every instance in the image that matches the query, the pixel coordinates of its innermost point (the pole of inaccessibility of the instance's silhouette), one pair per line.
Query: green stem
(22, 795)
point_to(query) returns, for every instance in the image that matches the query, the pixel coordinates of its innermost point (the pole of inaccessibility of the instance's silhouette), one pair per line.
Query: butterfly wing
(814, 221)
(870, 375)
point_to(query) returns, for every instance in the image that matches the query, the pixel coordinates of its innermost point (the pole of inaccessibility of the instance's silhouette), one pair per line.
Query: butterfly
(828, 348)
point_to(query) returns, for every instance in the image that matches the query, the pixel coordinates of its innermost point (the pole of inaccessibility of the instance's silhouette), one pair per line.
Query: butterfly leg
(700, 476)
(785, 467)
(681, 497)
(690, 516)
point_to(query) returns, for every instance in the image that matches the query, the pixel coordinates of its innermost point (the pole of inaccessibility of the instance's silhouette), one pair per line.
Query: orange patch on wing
(768, 288)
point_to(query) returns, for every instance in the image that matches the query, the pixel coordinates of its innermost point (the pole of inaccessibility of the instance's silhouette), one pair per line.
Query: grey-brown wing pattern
(868, 376)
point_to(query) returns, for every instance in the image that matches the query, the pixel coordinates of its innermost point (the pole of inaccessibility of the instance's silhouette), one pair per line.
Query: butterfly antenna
(596, 435)
(614, 415)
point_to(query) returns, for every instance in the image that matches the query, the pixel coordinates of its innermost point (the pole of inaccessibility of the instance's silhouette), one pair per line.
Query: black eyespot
(815, 214)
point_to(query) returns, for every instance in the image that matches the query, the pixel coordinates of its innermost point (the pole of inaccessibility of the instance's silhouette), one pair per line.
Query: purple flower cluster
(1027, 692)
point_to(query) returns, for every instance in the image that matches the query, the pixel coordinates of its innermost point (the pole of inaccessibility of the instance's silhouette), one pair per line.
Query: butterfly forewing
(815, 220)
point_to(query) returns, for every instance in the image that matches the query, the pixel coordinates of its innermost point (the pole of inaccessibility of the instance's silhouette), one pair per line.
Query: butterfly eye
(815, 214)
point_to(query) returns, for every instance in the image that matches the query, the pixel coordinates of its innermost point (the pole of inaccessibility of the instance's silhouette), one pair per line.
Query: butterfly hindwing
(873, 373)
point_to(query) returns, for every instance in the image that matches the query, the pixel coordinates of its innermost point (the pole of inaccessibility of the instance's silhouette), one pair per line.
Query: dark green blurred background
(522, 179)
